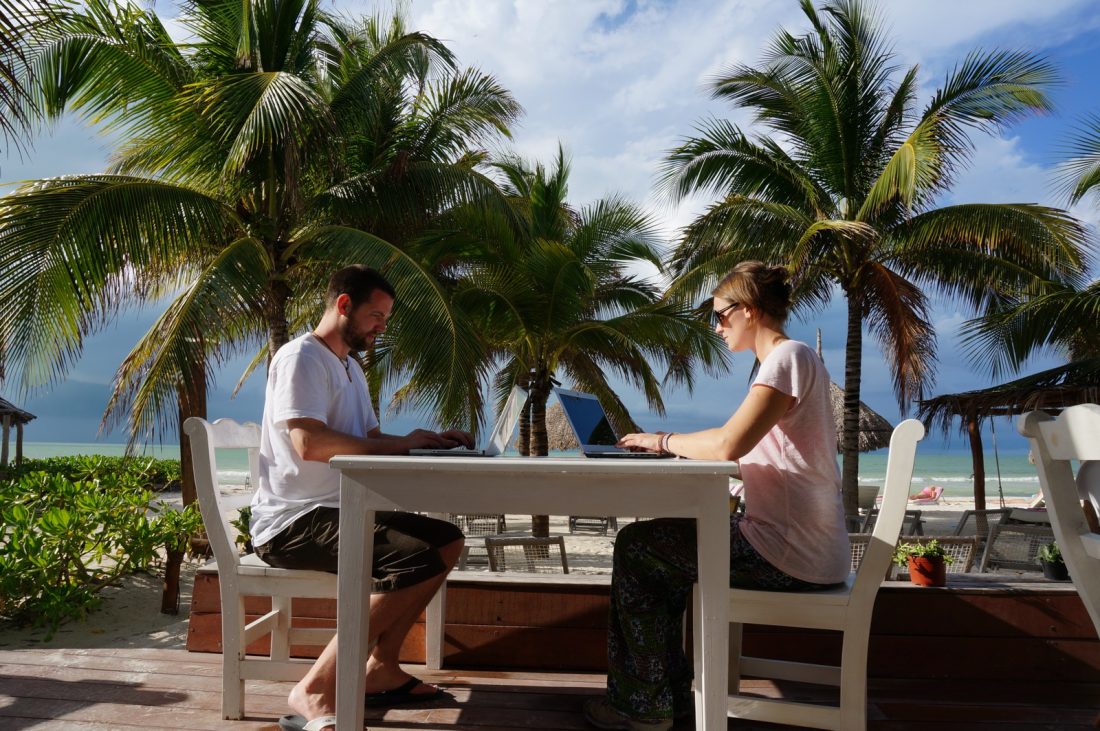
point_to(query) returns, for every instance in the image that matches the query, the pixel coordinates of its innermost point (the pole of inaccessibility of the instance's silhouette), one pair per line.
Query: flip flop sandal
(297, 723)
(401, 695)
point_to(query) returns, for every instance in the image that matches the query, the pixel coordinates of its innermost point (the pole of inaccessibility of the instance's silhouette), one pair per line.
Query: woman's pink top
(794, 515)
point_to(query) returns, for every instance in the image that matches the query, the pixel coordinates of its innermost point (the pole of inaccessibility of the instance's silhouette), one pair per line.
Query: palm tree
(1053, 315)
(555, 298)
(845, 192)
(274, 145)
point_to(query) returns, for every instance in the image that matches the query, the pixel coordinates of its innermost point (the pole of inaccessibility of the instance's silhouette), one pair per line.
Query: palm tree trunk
(539, 394)
(191, 402)
(849, 443)
(525, 428)
(278, 331)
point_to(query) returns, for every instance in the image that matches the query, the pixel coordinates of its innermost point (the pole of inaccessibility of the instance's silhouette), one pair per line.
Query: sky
(618, 83)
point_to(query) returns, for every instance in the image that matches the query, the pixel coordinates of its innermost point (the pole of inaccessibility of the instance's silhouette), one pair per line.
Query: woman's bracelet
(664, 442)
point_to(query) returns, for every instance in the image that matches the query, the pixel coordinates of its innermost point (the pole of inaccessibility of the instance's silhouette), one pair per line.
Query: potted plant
(927, 562)
(1050, 558)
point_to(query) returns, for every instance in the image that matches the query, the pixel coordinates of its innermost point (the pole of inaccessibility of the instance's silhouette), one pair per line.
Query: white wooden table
(534, 486)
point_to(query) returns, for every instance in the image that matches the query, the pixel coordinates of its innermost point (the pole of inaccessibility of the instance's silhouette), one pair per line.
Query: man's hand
(425, 439)
(459, 437)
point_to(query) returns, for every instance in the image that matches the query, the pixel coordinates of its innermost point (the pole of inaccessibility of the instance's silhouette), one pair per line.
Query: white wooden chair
(846, 609)
(241, 576)
(1075, 435)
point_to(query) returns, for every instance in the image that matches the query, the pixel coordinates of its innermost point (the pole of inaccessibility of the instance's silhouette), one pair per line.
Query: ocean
(952, 470)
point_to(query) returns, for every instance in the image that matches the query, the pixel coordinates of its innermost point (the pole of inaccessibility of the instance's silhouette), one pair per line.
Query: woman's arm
(758, 413)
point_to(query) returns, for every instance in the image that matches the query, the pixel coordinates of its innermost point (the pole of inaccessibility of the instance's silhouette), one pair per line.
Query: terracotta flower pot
(924, 571)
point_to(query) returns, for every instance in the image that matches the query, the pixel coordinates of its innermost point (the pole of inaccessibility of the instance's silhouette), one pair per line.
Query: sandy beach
(130, 613)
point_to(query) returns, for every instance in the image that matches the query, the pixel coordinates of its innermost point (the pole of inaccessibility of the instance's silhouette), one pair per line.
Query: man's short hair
(358, 282)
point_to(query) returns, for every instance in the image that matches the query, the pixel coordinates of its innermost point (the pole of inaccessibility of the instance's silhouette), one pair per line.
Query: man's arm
(316, 442)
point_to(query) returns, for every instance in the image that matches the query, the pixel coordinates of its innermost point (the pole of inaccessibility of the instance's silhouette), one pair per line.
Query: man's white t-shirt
(794, 515)
(306, 381)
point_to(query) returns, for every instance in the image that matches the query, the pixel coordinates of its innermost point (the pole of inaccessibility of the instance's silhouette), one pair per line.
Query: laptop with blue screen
(594, 432)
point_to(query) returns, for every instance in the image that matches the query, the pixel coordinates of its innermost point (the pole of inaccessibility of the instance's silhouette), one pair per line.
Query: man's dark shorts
(406, 546)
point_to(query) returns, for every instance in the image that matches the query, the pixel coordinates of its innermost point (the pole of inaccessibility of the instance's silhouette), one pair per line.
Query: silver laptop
(592, 427)
(503, 429)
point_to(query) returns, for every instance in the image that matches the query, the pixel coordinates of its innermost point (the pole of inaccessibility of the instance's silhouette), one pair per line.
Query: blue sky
(618, 83)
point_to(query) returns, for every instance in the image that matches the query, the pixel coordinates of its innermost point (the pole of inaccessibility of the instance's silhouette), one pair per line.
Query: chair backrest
(978, 522)
(532, 555)
(478, 524)
(1075, 435)
(205, 438)
(895, 495)
(911, 524)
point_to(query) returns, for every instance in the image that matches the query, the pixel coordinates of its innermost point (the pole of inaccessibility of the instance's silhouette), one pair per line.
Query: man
(317, 406)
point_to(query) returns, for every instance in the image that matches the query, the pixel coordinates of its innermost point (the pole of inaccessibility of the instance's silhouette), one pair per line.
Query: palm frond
(1056, 317)
(216, 316)
(729, 232)
(981, 251)
(1079, 173)
(74, 250)
(898, 317)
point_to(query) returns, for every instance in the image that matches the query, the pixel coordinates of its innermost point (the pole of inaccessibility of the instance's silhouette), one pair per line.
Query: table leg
(353, 603)
(712, 629)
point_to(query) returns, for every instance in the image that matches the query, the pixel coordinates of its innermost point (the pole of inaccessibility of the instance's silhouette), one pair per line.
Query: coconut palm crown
(274, 145)
(842, 186)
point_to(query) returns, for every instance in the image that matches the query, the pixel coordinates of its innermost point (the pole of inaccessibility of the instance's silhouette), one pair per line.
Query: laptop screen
(588, 418)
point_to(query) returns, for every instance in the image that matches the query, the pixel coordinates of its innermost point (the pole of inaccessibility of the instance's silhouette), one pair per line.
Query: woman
(791, 538)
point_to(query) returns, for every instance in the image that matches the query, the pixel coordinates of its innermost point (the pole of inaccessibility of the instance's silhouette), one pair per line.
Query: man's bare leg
(383, 670)
(315, 694)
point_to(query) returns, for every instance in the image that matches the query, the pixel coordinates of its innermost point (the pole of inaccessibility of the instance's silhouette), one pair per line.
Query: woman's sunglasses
(720, 315)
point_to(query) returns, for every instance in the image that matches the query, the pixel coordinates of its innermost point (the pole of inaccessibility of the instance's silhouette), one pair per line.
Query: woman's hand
(641, 442)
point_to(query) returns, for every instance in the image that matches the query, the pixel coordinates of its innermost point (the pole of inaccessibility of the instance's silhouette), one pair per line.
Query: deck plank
(132, 688)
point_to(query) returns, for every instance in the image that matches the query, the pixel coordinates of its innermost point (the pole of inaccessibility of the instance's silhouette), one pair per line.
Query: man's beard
(358, 342)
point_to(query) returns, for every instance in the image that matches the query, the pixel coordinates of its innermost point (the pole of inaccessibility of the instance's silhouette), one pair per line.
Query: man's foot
(600, 713)
(317, 708)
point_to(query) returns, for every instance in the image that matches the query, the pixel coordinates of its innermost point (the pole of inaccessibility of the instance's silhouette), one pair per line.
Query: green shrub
(76, 527)
(152, 474)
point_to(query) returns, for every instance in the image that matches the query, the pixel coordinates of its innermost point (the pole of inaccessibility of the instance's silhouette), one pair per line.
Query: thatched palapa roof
(18, 415)
(874, 430)
(1053, 389)
(1050, 390)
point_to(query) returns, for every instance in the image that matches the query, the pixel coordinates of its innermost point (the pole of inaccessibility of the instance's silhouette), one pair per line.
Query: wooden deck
(173, 689)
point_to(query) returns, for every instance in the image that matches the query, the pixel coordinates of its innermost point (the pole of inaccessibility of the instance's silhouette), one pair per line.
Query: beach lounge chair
(1074, 435)
(593, 522)
(846, 609)
(911, 524)
(977, 523)
(526, 553)
(928, 496)
(1015, 546)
